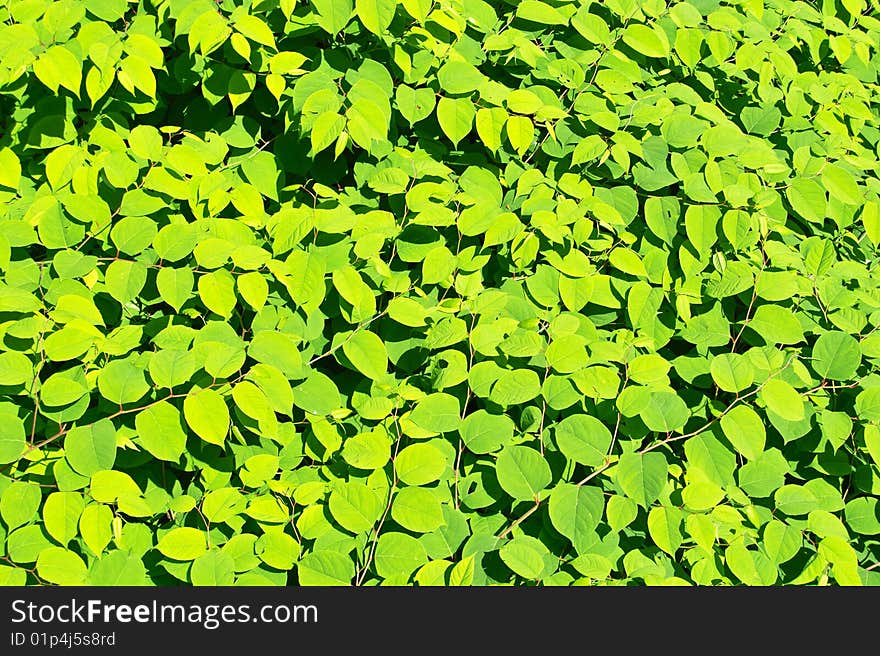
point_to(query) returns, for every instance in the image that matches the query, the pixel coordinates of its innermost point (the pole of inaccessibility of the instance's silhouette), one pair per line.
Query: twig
(519, 521)
(736, 401)
(359, 579)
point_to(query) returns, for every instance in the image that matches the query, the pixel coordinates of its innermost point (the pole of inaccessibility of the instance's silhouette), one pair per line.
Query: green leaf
(867, 404)
(62, 389)
(420, 464)
(253, 288)
(125, 279)
(58, 67)
(641, 476)
(207, 414)
(417, 509)
(376, 15)
(664, 526)
(682, 130)
(146, 141)
(326, 130)
(109, 485)
(782, 399)
(10, 168)
(863, 516)
(458, 77)
(223, 504)
(438, 413)
(576, 511)
(418, 9)
(807, 198)
(261, 170)
(122, 382)
(665, 412)
(490, 122)
(398, 555)
(15, 368)
(483, 432)
(175, 285)
(523, 101)
(456, 118)
(71, 307)
(277, 349)
(749, 566)
(26, 544)
(366, 351)
(254, 403)
(212, 568)
(367, 123)
(567, 354)
(540, 12)
(95, 526)
(438, 265)
(710, 460)
(12, 440)
(761, 120)
(764, 475)
(355, 506)
(732, 372)
(132, 234)
(776, 325)
(414, 104)
(160, 431)
(651, 42)
(255, 29)
(781, 541)
(836, 356)
(795, 500)
(12, 576)
(333, 15)
(90, 449)
(61, 513)
(118, 568)
(584, 439)
(462, 572)
(843, 558)
(525, 556)
(818, 254)
(351, 286)
(183, 543)
(520, 133)
(61, 566)
(171, 368)
(217, 292)
(522, 472)
(841, 184)
(277, 549)
(367, 451)
(324, 567)
(317, 394)
(515, 387)
(745, 430)
(19, 503)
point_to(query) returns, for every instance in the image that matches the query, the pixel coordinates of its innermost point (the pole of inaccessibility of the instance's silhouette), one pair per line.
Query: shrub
(456, 292)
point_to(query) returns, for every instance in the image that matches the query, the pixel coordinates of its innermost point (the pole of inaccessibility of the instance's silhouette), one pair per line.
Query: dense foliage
(453, 292)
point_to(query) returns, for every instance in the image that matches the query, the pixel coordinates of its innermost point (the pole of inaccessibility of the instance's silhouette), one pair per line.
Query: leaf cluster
(439, 293)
